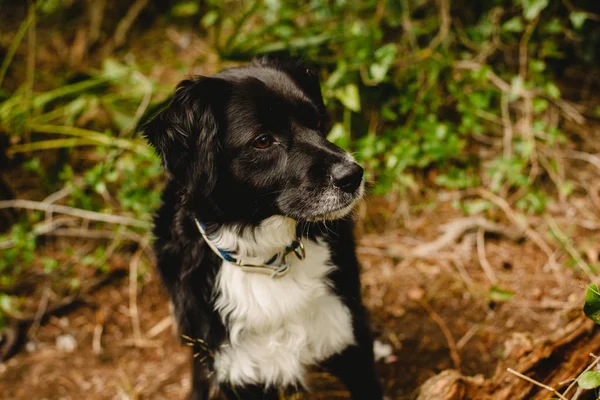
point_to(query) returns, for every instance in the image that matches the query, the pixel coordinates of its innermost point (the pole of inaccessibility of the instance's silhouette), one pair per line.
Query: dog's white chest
(278, 327)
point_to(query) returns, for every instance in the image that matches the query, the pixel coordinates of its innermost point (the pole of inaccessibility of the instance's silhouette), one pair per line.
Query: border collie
(254, 239)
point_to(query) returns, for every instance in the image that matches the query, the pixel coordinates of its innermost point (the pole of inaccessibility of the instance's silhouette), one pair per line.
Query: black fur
(205, 139)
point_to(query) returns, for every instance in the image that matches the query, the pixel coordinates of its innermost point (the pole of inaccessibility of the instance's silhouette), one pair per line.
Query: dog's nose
(347, 176)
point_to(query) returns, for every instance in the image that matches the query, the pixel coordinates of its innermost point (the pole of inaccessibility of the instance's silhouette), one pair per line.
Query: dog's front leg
(200, 381)
(355, 367)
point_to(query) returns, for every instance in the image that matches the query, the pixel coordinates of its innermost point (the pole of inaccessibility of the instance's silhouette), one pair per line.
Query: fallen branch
(15, 334)
(555, 360)
(580, 155)
(39, 229)
(445, 330)
(133, 276)
(456, 229)
(589, 367)
(568, 245)
(76, 212)
(451, 233)
(485, 265)
(95, 234)
(520, 223)
(528, 379)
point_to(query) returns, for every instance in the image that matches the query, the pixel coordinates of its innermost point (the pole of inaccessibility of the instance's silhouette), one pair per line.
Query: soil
(396, 292)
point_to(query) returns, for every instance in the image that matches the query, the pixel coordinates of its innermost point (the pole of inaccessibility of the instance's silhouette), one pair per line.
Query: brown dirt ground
(395, 292)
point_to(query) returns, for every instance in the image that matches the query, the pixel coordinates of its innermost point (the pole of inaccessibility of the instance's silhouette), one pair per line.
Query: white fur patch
(277, 326)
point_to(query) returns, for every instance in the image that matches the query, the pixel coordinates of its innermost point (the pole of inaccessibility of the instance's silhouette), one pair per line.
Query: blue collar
(276, 266)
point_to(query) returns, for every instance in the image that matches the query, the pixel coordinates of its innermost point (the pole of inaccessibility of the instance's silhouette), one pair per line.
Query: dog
(254, 238)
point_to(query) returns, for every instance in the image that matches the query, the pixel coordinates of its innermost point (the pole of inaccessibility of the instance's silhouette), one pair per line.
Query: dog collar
(277, 266)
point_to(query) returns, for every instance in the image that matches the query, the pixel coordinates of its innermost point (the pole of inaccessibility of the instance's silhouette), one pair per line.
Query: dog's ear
(184, 134)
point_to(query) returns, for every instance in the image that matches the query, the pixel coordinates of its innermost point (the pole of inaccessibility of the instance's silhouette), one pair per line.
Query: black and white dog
(254, 241)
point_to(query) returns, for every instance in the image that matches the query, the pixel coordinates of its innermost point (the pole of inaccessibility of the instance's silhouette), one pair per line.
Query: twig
(523, 48)
(20, 322)
(96, 15)
(568, 109)
(97, 338)
(455, 229)
(76, 212)
(446, 331)
(521, 224)
(589, 367)
(58, 195)
(35, 326)
(39, 229)
(133, 276)
(162, 325)
(588, 15)
(468, 336)
(462, 272)
(580, 155)
(124, 25)
(69, 301)
(444, 17)
(95, 234)
(495, 79)
(485, 265)
(564, 240)
(528, 379)
(507, 124)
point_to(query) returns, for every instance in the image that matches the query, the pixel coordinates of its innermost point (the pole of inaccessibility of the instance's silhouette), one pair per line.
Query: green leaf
(112, 69)
(591, 309)
(516, 87)
(552, 90)
(500, 295)
(349, 97)
(537, 65)
(385, 57)
(5, 303)
(50, 264)
(515, 24)
(337, 132)
(553, 26)
(185, 9)
(589, 380)
(532, 8)
(209, 19)
(577, 19)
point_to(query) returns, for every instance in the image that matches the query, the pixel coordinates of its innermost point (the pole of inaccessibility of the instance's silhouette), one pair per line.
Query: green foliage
(416, 80)
(121, 175)
(589, 380)
(591, 308)
(499, 295)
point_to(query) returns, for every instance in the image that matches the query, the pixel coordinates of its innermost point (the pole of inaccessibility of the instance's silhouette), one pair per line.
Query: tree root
(554, 360)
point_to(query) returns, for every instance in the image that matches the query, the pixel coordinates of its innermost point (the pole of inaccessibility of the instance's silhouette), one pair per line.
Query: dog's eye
(263, 142)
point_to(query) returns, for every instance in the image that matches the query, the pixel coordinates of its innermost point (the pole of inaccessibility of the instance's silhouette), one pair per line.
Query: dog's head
(250, 143)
